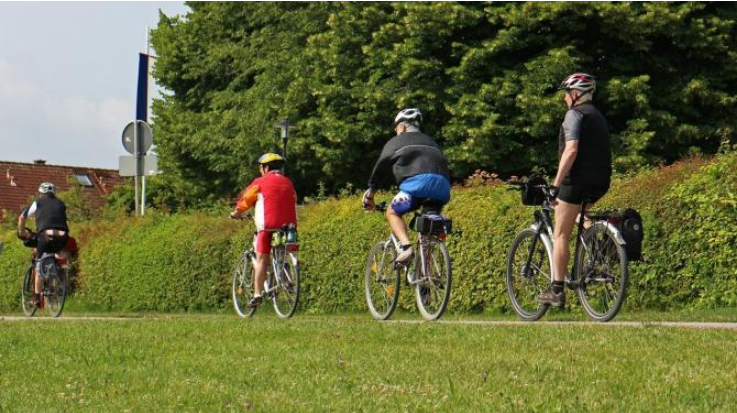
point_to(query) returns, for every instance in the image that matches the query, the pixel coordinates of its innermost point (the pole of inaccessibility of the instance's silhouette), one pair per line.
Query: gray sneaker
(404, 255)
(552, 299)
(255, 302)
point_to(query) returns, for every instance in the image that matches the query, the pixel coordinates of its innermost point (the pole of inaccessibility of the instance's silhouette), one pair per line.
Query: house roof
(19, 182)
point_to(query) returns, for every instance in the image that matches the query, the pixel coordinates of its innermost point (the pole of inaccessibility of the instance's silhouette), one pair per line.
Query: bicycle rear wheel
(529, 266)
(243, 276)
(382, 281)
(55, 291)
(433, 292)
(286, 295)
(26, 292)
(602, 270)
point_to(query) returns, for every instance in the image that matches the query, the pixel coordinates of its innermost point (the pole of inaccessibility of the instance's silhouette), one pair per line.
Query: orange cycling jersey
(274, 199)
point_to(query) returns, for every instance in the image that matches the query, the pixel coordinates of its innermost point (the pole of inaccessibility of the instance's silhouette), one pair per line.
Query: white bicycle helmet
(46, 188)
(583, 82)
(412, 115)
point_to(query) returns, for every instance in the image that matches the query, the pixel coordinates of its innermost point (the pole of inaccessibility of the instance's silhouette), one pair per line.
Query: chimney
(40, 162)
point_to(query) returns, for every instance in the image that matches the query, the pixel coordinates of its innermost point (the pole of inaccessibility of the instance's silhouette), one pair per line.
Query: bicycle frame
(422, 243)
(278, 256)
(544, 223)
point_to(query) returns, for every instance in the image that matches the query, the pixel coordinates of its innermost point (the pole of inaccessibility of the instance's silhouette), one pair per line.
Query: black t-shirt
(593, 164)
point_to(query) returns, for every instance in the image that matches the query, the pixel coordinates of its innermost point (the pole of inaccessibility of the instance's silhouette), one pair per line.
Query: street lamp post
(284, 125)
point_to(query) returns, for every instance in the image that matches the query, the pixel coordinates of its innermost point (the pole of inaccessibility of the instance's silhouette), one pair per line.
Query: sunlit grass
(352, 363)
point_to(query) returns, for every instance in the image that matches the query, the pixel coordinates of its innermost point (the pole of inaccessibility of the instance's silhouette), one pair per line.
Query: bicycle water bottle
(276, 239)
(291, 234)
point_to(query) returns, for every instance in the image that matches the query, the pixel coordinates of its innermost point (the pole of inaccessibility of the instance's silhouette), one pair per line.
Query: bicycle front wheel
(382, 281)
(433, 290)
(529, 266)
(56, 291)
(602, 271)
(243, 276)
(26, 292)
(286, 295)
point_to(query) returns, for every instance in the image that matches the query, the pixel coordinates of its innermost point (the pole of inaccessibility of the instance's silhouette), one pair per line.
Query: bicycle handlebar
(380, 207)
(520, 186)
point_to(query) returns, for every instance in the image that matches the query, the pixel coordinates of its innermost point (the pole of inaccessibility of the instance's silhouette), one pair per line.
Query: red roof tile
(19, 182)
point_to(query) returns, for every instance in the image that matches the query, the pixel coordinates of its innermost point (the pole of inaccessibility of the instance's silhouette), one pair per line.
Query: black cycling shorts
(578, 193)
(51, 244)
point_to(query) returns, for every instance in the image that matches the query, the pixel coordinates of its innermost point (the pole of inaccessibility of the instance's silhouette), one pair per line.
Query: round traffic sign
(145, 137)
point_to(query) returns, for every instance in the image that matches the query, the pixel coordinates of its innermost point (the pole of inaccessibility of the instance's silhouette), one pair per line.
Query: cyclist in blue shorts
(420, 169)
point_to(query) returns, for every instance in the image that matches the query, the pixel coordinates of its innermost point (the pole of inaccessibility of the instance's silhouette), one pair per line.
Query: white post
(136, 154)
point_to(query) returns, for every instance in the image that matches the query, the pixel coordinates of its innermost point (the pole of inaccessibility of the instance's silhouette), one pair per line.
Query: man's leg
(263, 260)
(398, 226)
(41, 247)
(262, 264)
(565, 217)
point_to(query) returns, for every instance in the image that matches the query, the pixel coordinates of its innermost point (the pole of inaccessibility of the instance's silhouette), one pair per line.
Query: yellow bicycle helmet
(270, 157)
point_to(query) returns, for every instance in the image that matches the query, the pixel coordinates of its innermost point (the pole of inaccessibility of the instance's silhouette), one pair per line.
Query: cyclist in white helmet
(584, 171)
(420, 170)
(52, 231)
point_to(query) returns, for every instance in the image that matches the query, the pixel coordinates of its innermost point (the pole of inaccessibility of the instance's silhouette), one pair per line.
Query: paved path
(70, 318)
(631, 324)
(485, 323)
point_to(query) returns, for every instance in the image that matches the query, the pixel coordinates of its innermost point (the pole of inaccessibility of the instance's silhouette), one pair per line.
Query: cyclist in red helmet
(584, 171)
(275, 203)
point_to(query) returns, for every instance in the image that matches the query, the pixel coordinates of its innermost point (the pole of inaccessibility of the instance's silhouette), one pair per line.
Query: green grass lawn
(352, 363)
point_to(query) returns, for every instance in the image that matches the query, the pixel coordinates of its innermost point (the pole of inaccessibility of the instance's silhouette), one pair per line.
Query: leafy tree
(484, 74)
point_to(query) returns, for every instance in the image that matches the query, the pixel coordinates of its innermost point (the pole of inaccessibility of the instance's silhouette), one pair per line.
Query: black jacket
(409, 154)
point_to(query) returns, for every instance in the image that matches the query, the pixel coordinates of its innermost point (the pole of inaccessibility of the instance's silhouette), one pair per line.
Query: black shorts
(578, 193)
(51, 244)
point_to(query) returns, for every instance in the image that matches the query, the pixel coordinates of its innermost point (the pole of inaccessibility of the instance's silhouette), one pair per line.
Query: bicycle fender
(613, 229)
(536, 226)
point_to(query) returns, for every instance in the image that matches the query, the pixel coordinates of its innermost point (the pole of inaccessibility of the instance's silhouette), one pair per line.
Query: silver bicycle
(429, 273)
(600, 272)
(282, 276)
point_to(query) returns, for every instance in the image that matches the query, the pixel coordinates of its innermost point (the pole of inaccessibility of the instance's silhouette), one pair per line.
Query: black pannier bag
(629, 224)
(531, 194)
(432, 224)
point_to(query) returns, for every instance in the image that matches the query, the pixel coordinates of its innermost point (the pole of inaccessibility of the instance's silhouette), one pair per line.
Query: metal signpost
(137, 140)
(284, 125)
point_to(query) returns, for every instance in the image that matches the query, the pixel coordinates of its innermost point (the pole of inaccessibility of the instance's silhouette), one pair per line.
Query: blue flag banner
(142, 97)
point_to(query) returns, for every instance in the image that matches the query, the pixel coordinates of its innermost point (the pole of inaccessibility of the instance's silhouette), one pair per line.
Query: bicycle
(429, 272)
(54, 285)
(282, 278)
(600, 271)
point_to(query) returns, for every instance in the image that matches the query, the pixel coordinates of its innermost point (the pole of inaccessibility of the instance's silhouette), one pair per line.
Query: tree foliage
(484, 74)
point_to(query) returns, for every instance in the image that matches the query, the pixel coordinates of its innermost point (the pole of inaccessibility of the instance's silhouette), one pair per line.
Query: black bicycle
(600, 271)
(429, 273)
(54, 280)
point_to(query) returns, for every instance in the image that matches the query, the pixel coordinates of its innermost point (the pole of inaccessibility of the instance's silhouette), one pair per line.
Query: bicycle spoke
(432, 289)
(603, 272)
(528, 274)
(381, 281)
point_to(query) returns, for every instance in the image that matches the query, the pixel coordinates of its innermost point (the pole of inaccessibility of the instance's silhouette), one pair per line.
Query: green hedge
(13, 261)
(158, 263)
(183, 262)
